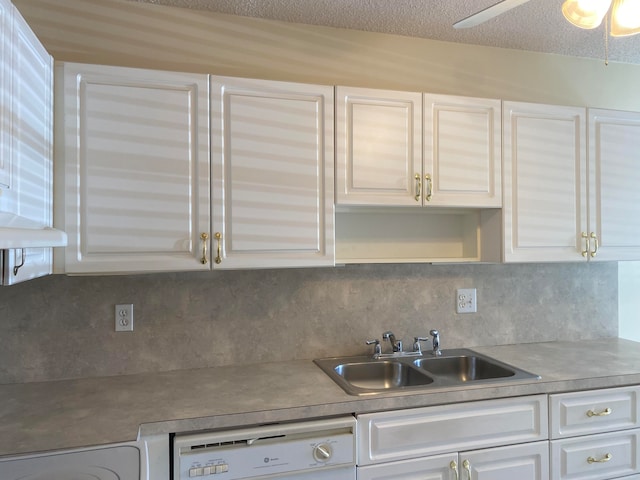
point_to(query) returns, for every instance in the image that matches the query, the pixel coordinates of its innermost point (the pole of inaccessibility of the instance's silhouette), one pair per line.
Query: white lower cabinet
(486, 440)
(529, 461)
(595, 434)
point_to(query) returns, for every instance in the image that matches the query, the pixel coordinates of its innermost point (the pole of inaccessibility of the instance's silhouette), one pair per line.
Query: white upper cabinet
(545, 193)
(136, 169)
(561, 204)
(6, 50)
(614, 185)
(380, 158)
(462, 151)
(273, 174)
(378, 147)
(26, 143)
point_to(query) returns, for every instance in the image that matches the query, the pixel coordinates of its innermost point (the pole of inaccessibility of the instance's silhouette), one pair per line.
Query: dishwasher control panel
(266, 451)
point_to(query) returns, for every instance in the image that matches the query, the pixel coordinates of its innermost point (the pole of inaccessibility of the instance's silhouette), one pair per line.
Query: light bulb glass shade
(585, 13)
(625, 18)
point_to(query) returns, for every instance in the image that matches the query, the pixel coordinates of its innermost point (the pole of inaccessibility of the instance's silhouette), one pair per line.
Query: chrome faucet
(396, 345)
(436, 342)
(377, 349)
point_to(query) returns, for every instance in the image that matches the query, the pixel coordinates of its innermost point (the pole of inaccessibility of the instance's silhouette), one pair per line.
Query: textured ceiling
(538, 25)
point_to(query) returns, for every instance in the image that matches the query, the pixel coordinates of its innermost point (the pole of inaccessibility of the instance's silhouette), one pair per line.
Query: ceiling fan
(488, 13)
(588, 14)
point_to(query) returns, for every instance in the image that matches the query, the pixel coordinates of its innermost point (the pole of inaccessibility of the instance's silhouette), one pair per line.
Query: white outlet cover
(466, 300)
(123, 316)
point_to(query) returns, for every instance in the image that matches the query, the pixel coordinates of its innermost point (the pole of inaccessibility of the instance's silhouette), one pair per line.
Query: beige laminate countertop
(44, 416)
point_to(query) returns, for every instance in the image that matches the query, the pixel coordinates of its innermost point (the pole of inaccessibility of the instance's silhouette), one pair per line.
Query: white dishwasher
(311, 450)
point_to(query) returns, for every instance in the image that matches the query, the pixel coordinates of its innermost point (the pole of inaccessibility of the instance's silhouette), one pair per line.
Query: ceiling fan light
(585, 13)
(625, 18)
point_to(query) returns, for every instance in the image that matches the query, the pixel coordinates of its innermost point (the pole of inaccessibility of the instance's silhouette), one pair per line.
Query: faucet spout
(396, 345)
(435, 342)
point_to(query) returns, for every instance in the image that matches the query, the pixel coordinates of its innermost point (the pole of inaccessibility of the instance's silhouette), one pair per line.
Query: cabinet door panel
(272, 158)
(544, 181)
(6, 49)
(437, 467)
(462, 145)
(137, 169)
(523, 462)
(30, 149)
(378, 147)
(614, 146)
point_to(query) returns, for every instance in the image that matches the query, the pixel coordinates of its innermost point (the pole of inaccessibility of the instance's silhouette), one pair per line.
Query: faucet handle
(416, 343)
(377, 349)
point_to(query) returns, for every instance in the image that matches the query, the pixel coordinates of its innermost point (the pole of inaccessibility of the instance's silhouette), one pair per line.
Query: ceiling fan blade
(488, 13)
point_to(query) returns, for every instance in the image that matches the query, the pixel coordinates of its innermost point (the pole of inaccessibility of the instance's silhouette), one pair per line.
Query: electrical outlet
(466, 300)
(124, 317)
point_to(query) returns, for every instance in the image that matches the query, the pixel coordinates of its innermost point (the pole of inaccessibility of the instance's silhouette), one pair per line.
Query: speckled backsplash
(62, 327)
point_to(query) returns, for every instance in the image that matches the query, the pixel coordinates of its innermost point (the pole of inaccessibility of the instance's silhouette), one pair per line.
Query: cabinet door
(462, 151)
(437, 467)
(529, 461)
(272, 162)
(6, 38)
(379, 147)
(545, 198)
(136, 169)
(614, 179)
(31, 148)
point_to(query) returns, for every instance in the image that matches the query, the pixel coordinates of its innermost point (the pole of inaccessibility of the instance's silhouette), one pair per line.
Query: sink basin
(409, 372)
(465, 368)
(382, 375)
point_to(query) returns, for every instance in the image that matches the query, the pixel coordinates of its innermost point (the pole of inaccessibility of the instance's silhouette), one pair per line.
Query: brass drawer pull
(218, 236)
(585, 252)
(594, 252)
(418, 187)
(604, 459)
(603, 413)
(204, 237)
(454, 466)
(467, 467)
(429, 187)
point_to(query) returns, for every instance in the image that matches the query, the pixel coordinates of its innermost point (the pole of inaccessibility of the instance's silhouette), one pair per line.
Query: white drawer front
(615, 455)
(596, 411)
(397, 435)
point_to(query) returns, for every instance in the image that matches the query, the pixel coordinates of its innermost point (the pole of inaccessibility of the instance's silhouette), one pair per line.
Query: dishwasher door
(319, 450)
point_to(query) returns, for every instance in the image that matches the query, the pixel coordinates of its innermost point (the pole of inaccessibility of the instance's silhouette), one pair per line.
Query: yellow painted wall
(118, 32)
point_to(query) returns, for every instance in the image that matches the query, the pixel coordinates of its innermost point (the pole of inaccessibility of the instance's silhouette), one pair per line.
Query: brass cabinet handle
(604, 459)
(603, 413)
(467, 467)
(585, 252)
(595, 248)
(204, 236)
(418, 187)
(429, 187)
(454, 466)
(218, 236)
(16, 268)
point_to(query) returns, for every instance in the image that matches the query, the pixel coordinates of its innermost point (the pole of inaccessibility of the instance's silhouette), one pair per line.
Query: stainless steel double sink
(388, 373)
